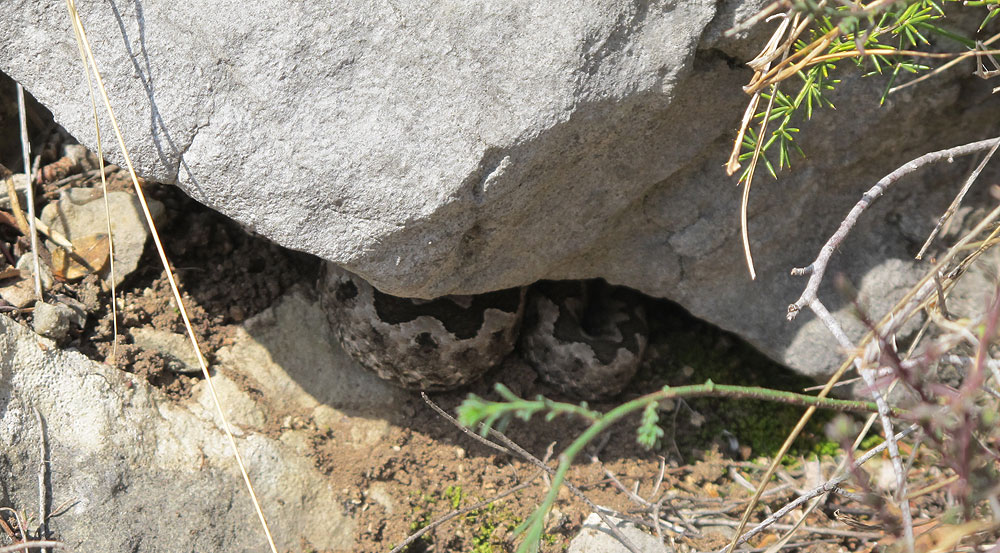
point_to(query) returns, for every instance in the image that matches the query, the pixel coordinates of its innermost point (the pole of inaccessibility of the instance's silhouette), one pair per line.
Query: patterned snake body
(585, 338)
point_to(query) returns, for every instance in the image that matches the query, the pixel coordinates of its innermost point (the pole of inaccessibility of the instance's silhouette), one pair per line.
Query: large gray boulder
(453, 147)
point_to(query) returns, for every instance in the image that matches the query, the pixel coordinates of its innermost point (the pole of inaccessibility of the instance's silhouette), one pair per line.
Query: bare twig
(461, 427)
(758, 17)
(30, 544)
(781, 543)
(63, 507)
(663, 470)
(958, 199)
(810, 529)
(783, 527)
(631, 495)
(85, 175)
(781, 71)
(826, 487)
(897, 464)
(817, 269)
(15, 201)
(656, 520)
(944, 67)
(55, 236)
(29, 191)
(741, 480)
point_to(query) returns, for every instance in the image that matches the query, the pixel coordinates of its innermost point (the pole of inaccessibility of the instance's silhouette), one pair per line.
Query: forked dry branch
(870, 354)
(831, 485)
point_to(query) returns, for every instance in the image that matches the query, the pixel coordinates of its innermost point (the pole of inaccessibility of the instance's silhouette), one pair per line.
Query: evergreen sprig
(870, 38)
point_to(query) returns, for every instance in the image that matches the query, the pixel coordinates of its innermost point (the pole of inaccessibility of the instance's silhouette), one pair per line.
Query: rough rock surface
(141, 473)
(175, 347)
(452, 148)
(53, 320)
(595, 537)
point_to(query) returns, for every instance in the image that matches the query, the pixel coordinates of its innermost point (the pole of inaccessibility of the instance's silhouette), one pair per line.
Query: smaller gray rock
(80, 156)
(27, 267)
(595, 537)
(79, 310)
(53, 320)
(20, 292)
(181, 357)
(80, 212)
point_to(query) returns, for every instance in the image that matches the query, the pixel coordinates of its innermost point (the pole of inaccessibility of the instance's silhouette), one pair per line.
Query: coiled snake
(585, 338)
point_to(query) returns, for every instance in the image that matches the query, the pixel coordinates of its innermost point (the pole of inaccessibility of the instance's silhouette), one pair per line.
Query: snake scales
(585, 338)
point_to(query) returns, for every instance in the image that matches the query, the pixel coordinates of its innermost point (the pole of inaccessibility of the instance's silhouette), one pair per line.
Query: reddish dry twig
(24, 546)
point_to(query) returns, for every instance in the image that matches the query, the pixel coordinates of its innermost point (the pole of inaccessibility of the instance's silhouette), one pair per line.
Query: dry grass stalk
(92, 67)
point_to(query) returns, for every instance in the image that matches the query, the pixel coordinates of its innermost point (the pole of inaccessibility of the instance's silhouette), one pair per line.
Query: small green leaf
(649, 433)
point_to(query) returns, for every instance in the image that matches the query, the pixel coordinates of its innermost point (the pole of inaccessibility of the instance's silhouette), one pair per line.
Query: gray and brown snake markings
(585, 338)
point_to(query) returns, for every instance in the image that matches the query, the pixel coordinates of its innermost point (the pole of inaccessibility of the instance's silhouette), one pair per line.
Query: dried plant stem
(781, 543)
(817, 269)
(781, 72)
(745, 197)
(444, 414)
(81, 33)
(29, 191)
(56, 237)
(15, 203)
(107, 208)
(758, 17)
(893, 446)
(24, 546)
(958, 199)
(937, 70)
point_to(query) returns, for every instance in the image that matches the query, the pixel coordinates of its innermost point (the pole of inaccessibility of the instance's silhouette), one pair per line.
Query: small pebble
(52, 320)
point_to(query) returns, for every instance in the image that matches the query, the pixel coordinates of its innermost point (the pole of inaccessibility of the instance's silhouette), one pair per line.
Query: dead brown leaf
(90, 255)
